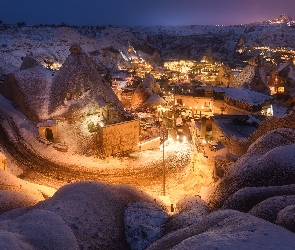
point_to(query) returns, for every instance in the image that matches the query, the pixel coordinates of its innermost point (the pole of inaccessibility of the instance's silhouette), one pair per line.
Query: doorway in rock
(49, 134)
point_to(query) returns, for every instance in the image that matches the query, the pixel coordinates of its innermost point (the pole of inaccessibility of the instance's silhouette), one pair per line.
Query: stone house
(119, 138)
(48, 130)
(282, 80)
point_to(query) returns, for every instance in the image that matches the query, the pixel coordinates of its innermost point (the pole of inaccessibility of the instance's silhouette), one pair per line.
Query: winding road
(38, 169)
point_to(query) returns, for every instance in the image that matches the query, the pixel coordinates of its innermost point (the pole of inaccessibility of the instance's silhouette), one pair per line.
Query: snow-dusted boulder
(259, 167)
(95, 212)
(286, 218)
(227, 229)
(143, 224)
(270, 140)
(246, 198)
(37, 229)
(11, 199)
(29, 61)
(190, 211)
(193, 203)
(269, 208)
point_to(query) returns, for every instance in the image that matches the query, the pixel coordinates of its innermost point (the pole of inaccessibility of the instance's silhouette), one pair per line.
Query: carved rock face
(75, 49)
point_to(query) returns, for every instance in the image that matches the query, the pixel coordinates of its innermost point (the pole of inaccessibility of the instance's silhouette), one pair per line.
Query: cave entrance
(49, 134)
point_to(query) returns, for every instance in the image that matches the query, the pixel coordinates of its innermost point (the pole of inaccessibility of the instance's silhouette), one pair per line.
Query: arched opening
(48, 134)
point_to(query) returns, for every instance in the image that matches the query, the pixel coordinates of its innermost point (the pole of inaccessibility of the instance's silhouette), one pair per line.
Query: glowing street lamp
(164, 132)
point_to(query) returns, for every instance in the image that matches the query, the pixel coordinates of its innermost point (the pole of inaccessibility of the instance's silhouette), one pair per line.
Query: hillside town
(206, 105)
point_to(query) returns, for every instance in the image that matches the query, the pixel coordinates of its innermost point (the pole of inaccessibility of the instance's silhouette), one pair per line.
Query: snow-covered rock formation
(225, 76)
(252, 77)
(79, 89)
(146, 93)
(29, 90)
(93, 215)
(227, 229)
(268, 162)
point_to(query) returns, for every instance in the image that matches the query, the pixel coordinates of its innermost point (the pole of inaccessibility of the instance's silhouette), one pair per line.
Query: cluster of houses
(77, 108)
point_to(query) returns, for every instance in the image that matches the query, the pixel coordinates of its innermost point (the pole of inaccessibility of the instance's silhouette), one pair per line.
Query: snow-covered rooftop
(246, 96)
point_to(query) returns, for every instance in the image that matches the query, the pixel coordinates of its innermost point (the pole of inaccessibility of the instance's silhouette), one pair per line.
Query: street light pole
(164, 177)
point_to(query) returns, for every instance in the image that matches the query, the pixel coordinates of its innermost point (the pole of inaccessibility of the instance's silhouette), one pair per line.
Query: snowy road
(144, 172)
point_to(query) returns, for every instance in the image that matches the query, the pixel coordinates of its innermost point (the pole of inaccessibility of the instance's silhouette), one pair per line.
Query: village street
(143, 170)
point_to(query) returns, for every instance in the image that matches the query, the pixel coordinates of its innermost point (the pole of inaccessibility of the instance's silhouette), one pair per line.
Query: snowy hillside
(172, 42)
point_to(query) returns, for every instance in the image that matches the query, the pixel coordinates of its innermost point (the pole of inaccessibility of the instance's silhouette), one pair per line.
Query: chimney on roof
(75, 49)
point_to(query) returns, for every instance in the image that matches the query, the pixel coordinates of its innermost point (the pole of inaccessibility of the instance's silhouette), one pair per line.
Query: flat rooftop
(235, 127)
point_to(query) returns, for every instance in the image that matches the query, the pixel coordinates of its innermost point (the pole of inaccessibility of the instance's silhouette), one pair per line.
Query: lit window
(281, 90)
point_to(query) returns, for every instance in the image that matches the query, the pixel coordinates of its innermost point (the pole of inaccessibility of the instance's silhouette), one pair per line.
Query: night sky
(141, 12)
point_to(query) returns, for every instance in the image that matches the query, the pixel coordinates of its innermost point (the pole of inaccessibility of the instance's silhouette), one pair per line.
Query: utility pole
(163, 170)
(164, 177)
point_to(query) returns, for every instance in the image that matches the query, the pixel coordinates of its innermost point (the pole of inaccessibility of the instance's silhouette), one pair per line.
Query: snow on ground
(177, 157)
(12, 183)
(29, 131)
(279, 110)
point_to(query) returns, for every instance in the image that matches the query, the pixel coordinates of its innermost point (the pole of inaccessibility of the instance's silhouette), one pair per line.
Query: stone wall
(196, 103)
(119, 138)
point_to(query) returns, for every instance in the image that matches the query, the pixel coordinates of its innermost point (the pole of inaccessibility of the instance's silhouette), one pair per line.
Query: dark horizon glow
(144, 13)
